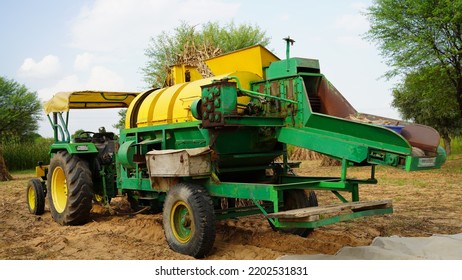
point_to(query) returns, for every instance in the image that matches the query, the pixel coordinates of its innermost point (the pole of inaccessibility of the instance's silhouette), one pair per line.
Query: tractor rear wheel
(69, 189)
(295, 199)
(189, 220)
(35, 196)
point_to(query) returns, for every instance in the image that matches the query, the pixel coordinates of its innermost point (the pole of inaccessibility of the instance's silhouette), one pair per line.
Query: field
(425, 203)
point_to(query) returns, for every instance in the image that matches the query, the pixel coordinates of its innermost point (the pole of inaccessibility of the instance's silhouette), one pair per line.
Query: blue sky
(53, 46)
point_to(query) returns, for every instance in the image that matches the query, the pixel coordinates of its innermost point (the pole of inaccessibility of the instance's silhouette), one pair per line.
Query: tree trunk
(459, 91)
(447, 143)
(4, 174)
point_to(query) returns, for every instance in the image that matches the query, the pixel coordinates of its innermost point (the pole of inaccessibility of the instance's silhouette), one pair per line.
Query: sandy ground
(425, 203)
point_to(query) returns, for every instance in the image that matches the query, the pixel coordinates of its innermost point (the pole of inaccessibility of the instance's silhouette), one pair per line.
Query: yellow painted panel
(181, 111)
(172, 104)
(158, 108)
(251, 59)
(130, 108)
(147, 107)
(178, 74)
(195, 75)
(40, 171)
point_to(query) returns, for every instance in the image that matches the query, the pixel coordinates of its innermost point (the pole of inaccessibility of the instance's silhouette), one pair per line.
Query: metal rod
(258, 94)
(54, 126)
(344, 169)
(66, 134)
(284, 160)
(339, 196)
(354, 193)
(289, 42)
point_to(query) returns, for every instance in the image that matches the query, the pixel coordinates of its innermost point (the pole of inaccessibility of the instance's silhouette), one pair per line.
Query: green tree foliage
(190, 44)
(121, 124)
(422, 41)
(427, 97)
(19, 111)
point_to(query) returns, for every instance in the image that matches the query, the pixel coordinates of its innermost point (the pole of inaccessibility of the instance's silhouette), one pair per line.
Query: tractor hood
(63, 101)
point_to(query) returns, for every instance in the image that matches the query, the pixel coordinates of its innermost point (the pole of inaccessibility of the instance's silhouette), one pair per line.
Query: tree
(121, 124)
(427, 97)
(420, 36)
(4, 173)
(19, 113)
(19, 110)
(191, 45)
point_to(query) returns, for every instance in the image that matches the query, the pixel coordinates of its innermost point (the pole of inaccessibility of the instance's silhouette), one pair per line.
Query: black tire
(189, 220)
(35, 197)
(294, 199)
(69, 189)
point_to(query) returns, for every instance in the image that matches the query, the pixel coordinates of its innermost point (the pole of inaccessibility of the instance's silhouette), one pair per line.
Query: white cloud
(360, 6)
(127, 26)
(83, 61)
(102, 78)
(351, 26)
(68, 83)
(44, 68)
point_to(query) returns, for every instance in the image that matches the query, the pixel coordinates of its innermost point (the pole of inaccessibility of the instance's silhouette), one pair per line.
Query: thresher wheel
(294, 199)
(69, 189)
(35, 195)
(189, 220)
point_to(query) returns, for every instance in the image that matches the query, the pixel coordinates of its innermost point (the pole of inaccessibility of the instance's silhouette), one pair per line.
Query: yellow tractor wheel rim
(99, 198)
(59, 189)
(31, 198)
(181, 222)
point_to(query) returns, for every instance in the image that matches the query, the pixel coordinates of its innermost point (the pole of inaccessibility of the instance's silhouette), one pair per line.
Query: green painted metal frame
(60, 127)
(130, 175)
(273, 193)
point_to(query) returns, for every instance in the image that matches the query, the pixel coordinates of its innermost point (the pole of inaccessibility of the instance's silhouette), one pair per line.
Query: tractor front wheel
(35, 196)
(189, 220)
(69, 189)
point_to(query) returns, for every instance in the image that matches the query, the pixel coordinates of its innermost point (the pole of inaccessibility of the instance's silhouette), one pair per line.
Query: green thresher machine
(192, 149)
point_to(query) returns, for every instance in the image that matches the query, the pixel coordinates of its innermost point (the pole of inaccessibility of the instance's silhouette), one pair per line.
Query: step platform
(310, 214)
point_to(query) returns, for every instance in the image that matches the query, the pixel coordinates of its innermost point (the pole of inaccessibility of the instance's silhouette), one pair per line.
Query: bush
(24, 156)
(456, 145)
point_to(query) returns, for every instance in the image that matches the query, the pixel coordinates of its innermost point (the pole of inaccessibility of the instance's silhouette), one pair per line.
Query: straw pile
(194, 55)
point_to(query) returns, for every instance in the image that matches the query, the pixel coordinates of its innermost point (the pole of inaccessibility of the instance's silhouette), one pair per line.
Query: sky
(52, 46)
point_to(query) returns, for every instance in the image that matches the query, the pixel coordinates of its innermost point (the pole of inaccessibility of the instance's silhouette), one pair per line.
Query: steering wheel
(87, 138)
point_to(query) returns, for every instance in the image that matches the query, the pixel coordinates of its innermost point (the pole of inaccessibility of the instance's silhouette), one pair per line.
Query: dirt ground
(425, 203)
